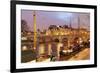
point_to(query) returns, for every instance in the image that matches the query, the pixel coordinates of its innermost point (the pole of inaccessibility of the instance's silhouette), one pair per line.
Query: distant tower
(70, 22)
(34, 30)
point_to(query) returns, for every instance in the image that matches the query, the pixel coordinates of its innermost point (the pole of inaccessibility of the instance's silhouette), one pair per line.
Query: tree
(24, 26)
(52, 27)
(65, 26)
(38, 30)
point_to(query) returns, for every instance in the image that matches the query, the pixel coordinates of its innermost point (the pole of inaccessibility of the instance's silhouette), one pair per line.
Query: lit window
(24, 48)
(23, 38)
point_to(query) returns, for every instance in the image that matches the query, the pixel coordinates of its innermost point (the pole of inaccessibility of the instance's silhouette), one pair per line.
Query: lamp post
(70, 34)
(78, 26)
(34, 30)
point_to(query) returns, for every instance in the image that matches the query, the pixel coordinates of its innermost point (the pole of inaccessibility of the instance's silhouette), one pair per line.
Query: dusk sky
(46, 18)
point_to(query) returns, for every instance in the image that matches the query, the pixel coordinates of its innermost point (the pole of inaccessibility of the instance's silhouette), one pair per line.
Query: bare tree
(24, 26)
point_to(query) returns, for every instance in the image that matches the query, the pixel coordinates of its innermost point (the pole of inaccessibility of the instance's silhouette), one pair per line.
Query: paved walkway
(83, 55)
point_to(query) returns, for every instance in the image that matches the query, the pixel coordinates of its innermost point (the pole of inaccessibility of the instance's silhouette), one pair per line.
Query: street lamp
(34, 30)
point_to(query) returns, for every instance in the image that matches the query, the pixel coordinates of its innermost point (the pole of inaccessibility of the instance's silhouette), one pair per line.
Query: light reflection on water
(43, 48)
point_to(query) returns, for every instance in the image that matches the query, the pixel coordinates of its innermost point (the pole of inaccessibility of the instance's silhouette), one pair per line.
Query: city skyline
(46, 18)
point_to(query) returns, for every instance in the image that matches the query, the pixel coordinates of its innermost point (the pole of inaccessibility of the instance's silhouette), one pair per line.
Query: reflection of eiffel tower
(34, 30)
